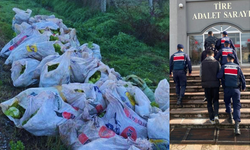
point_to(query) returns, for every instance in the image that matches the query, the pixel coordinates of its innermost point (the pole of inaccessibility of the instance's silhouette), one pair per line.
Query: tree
(103, 5)
(151, 4)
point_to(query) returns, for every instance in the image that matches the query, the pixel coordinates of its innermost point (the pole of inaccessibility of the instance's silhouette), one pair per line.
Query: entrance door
(196, 42)
(245, 46)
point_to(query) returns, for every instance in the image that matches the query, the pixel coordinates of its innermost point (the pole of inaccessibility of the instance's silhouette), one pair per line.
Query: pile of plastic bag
(76, 95)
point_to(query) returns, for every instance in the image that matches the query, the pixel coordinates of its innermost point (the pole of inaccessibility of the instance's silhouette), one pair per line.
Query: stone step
(193, 77)
(205, 123)
(245, 103)
(189, 83)
(196, 76)
(198, 82)
(202, 113)
(201, 95)
(212, 136)
(245, 69)
(200, 89)
(190, 124)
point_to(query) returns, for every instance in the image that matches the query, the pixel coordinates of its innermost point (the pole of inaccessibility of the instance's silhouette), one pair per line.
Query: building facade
(190, 21)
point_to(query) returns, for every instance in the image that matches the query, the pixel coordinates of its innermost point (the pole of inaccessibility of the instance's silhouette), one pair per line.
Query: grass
(122, 47)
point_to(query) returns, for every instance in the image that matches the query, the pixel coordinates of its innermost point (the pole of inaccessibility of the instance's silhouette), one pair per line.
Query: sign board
(203, 14)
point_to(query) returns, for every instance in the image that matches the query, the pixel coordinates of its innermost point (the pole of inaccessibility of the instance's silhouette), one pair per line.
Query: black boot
(177, 98)
(237, 128)
(179, 101)
(230, 118)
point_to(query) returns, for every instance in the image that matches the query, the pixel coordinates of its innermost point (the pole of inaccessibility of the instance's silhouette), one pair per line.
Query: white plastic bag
(34, 50)
(40, 18)
(80, 67)
(116, 143)
(118, 91)
(68, 131)
(20, 28)
(20, 16)
(92, 130)
(28, 34)
(45, 25)
(158, 130)
(123, 120)
(104, 72)
(38, 69)
(57, 21)
(113, 143)
(74, 94)
(142, 106)
(56, 72)
(78, 134)
(52, 113)
(22, 72)
(69, 36)
(133, 148)
(162, 94)
(95, 49)
(44, 111)
(83, 95)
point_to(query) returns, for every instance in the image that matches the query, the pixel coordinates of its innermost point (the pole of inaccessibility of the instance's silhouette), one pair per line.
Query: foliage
(17, 146)
(133, 38)
(150, 26)
(154, 104)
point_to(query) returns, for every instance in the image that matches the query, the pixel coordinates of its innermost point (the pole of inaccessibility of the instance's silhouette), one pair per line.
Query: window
(195, 48)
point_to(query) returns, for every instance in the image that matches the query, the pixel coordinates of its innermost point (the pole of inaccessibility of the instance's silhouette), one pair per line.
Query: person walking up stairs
(191, 124)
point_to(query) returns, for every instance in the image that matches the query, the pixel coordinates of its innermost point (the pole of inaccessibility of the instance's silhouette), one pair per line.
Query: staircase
(190, 124)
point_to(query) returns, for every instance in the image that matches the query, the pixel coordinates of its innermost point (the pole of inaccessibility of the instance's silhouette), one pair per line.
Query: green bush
(17, 145)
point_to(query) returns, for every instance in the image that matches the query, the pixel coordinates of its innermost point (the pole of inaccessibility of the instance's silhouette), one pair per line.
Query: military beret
(231, 56)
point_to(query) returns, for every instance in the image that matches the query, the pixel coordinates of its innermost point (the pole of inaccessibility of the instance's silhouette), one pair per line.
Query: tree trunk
(150, 3)
(103, 5)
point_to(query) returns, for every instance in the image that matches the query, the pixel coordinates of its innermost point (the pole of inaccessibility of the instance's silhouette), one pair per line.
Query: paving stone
(185, 147)
(210, 147)
(177, 134)
(234, 147)
(201, 134)
(226, 135)
(245, 136)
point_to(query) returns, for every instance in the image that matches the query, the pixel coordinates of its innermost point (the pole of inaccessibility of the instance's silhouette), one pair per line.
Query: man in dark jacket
(204, 53)
(208, 72)
(220, 43)
(210, 40)
(234, 81)
(179, 62)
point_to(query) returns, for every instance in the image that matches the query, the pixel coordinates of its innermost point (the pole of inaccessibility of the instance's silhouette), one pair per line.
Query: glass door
(241, 42)
(195, 48)
(235, 37)
(245, 46)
